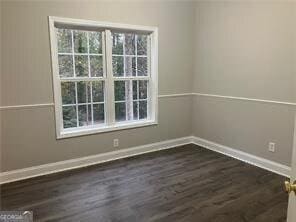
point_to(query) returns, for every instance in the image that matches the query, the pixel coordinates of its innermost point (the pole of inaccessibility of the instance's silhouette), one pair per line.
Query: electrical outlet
(271, 147)
(115, 142)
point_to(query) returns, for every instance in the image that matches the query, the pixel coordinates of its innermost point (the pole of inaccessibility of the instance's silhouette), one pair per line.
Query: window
(104, 76)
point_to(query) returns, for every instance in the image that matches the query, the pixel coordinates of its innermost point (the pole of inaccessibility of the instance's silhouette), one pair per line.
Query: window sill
(103, 129)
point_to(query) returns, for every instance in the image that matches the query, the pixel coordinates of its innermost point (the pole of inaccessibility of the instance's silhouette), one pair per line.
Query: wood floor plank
(187, 184)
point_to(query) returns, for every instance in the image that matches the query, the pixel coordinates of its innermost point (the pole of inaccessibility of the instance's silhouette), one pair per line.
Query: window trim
(153, 85)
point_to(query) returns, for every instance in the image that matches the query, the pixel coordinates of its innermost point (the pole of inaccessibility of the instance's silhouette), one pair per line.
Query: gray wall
(224, 48)
(29, 134)
(246, 50)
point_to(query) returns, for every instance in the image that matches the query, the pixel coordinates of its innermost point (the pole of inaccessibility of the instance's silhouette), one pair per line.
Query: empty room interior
(150, 111)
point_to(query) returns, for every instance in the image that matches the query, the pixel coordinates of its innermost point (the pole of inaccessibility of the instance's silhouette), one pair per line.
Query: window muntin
(81, 71)
(129, 105)
(86, 80)
(129, 54)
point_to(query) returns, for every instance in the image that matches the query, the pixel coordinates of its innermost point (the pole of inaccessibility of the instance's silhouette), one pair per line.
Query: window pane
(143, 89)
(83, 92)
(120, 111)
(130, 66)
(69, 116)
(142, 66)
(95, 42)
(98, 91)
(130, 44)
(135, 109)
(64, 40)
(117, 44)
(135, 89)
(129, 59)
(96, 66)
(99, 113)
(119, 90)
(68, 93)
(117, 63)
(81, 65)
(84, 115)
(143, 109)
(142, 45)
(80, 41)
(65, 66)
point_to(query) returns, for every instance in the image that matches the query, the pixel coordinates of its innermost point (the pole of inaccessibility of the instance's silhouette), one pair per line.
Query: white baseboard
(243, 156)
(21, 174)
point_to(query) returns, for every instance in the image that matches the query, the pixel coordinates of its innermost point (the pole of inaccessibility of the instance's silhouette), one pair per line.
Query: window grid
(82, 79)
(138, 104)
(94, 103)
(120, 101)
(128, 79)
(87, 80)
(136, 52)
(149, 84)
(129, 102)
(79, 53)
(73, 55)
(141, 56)
(74, 73)
(138, 100)
(124, 74)
(76, 101)
(91, 103)
(79, 74)
(91, 89)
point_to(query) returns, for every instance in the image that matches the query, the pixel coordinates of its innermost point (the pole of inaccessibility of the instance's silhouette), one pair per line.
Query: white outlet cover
(115, 143)
(271, 147)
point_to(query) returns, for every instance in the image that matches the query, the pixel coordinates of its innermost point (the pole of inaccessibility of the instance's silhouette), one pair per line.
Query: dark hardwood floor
(183, 184)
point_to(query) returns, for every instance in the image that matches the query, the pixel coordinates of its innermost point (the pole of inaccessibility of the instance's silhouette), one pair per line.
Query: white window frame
(152, 113)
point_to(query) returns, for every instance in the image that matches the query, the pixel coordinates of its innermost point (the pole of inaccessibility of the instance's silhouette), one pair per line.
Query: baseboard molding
(243, 156)
(21, 174)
